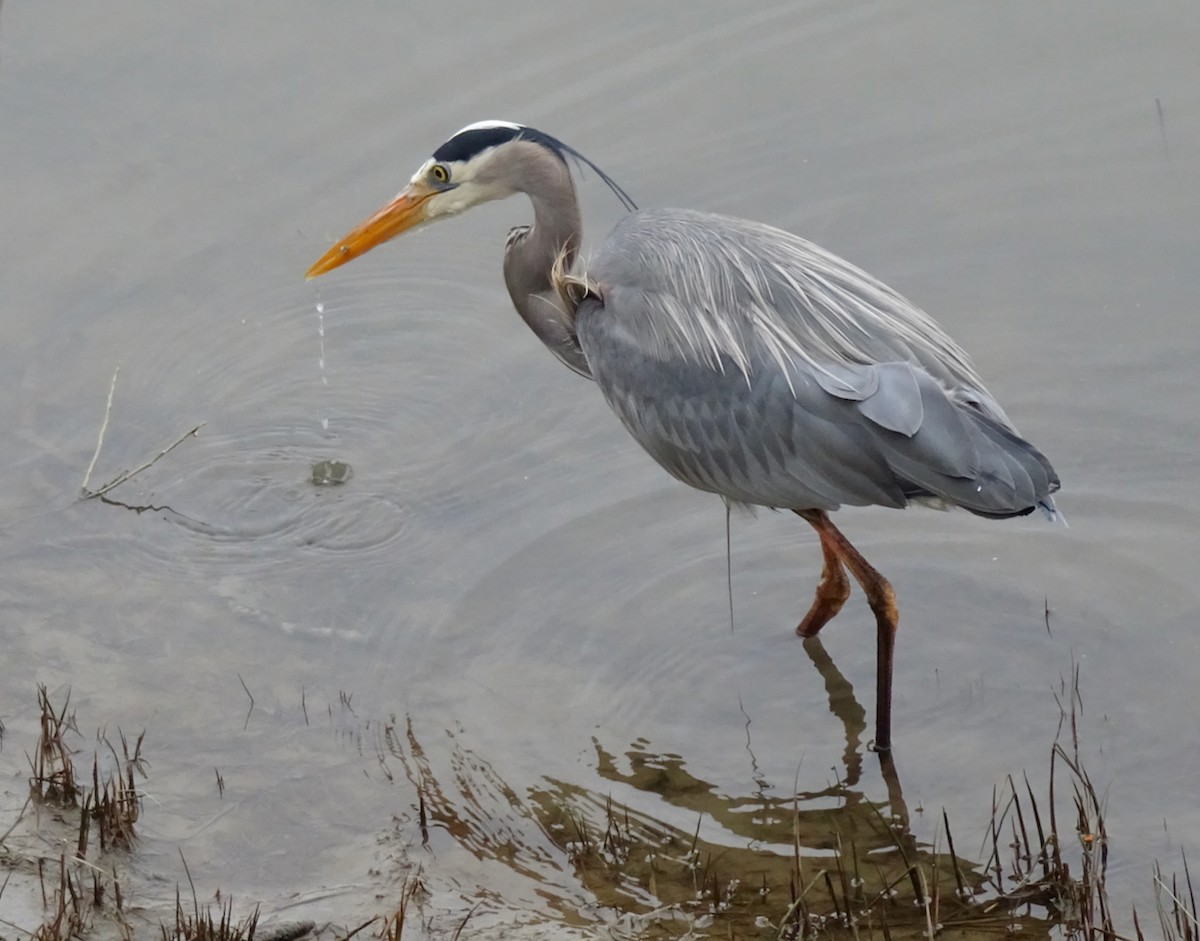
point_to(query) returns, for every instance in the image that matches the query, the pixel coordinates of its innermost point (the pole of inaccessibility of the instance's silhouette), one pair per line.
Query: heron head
(480, 163)
(468, 169)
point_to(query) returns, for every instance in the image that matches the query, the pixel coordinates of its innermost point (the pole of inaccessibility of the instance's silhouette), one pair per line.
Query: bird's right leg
(834, 587)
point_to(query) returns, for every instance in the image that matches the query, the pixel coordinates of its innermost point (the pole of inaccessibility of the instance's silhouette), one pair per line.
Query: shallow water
(505, 567)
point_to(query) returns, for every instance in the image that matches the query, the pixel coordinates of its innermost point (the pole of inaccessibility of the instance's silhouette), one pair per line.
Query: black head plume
(477, 138)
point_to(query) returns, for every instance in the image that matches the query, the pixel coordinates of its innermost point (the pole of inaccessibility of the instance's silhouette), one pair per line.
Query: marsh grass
(200, 924)
(877, 883)
(111, 806)
(1175, 905)
(1032, 855)
(100, 814)
(114, 803)
(411, 894)
(65, 898)
(75, 888)
(828, 864)
(52, 767)
(857, 872)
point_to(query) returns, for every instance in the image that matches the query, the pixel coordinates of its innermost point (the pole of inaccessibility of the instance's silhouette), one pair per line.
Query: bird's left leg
(834, 587)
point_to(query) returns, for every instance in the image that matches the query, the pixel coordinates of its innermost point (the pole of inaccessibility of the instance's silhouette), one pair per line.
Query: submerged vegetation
(199, 924)
(820, 864)
(95, 820)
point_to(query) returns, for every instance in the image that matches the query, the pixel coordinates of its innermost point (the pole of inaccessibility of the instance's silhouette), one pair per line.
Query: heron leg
(832, 590)
(882, 600)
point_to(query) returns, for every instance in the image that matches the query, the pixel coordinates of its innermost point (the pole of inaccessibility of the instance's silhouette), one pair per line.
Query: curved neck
(531, 255)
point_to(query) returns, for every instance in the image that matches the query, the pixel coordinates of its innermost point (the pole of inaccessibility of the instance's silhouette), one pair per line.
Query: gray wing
(740, 399)
(706, 288)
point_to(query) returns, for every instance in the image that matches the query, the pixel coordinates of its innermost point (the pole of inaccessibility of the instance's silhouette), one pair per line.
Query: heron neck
(529, 260)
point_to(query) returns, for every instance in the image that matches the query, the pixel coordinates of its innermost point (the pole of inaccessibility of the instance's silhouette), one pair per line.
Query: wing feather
(897, 402)
(727, 291)
(781, 440)
(753, 364)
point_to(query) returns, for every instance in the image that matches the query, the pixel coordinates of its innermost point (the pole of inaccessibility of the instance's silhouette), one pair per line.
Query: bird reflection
(844, 706)
(819, 819)
(802, 861)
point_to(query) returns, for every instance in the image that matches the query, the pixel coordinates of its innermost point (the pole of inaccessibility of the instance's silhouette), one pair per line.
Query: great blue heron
(748, 362)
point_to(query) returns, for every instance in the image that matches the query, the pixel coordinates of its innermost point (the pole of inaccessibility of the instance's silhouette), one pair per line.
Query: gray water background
(506, 568)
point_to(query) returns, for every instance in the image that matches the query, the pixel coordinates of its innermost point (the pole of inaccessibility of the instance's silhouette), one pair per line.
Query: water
(505, 569)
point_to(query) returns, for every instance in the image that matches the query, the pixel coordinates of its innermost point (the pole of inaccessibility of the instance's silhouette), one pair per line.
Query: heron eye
(440, 173)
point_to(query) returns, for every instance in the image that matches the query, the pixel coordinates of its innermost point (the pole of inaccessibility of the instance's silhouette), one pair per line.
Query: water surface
(505, 568)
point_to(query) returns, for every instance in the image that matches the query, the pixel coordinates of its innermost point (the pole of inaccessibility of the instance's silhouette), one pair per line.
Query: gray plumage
(753, 364)
(747, 361)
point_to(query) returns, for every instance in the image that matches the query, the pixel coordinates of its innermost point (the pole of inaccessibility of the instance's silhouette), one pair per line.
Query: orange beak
(401, 214)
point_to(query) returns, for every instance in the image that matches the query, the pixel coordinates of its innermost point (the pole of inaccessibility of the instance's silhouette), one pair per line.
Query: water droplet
(321, 349)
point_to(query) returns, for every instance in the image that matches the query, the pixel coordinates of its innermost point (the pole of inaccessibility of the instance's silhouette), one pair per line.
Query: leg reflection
(843, 704)
(846, 707)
